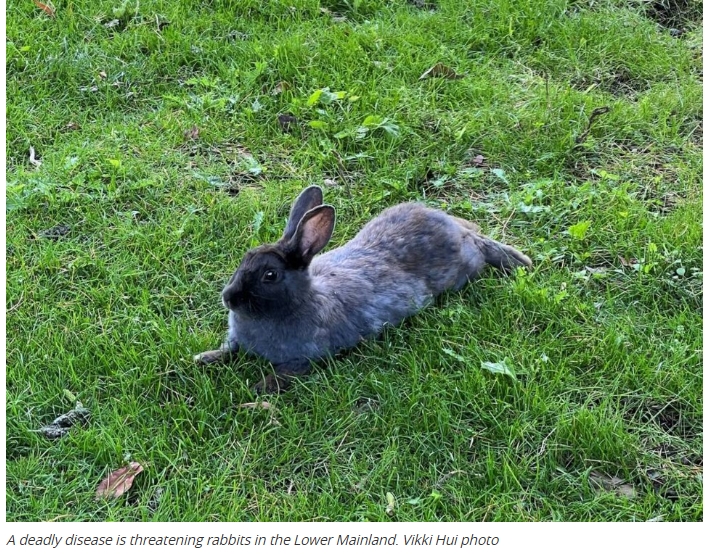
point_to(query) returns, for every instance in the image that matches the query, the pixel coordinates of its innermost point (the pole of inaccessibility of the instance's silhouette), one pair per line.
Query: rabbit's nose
(231, 297)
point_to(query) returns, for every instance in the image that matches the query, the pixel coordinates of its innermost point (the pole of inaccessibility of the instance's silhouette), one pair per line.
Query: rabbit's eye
(270, 276)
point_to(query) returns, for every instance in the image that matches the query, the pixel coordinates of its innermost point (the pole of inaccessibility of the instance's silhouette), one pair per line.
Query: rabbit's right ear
(312, 234)
(309, 198)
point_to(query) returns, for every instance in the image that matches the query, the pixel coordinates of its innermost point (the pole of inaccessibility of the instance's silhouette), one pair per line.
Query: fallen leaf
(72, 126)
(33, 160)
(261, 405)
(119, 481)
(499, 367)
(631, 263)
(281, 87)
(287, 121)
(192, 133)
(390, 503)
(601, 480)
(102, 74)
(48, 9)
(479, 161)
(441, 70)
(614, 484)
(61, 425)
(330, 183)
(112, 23)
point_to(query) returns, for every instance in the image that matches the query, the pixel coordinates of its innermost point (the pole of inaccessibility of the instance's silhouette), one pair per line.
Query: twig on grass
(597, 112)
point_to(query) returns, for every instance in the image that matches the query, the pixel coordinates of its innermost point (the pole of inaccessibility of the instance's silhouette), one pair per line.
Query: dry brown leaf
(119, 481)
(630, 263)
(441, 70)
(263, 406)
(48, 9)
(479, 161)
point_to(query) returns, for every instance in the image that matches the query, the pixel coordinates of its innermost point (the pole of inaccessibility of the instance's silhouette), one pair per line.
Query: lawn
(170, 137)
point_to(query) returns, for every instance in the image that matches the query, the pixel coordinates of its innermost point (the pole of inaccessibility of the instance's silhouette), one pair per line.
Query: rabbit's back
(394, 266)
(407, 242)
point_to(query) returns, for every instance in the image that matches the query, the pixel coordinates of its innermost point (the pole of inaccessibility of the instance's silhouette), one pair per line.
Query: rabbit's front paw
(213, 356)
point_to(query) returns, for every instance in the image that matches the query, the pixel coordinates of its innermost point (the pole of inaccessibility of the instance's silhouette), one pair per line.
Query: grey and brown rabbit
(291, 306)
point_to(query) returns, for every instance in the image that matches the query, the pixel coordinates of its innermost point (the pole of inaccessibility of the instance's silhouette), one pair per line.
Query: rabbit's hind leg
(472, 260)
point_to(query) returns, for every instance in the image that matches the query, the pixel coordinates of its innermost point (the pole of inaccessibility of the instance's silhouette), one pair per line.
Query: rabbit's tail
(502, 256)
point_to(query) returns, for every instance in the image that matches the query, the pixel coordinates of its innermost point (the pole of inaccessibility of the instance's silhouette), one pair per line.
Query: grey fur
(319, 305)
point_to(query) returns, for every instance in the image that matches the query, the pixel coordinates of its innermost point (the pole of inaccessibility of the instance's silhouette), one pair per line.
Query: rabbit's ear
(313, 233)
(309, 198)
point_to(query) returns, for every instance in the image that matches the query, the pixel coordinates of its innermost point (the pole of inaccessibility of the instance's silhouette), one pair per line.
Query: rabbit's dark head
(273, 279)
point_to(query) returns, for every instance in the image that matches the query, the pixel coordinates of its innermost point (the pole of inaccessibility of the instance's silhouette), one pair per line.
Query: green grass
(605, 334)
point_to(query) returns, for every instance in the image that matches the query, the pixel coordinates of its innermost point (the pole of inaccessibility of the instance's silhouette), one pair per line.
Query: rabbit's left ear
(309, 198)
(313, 233)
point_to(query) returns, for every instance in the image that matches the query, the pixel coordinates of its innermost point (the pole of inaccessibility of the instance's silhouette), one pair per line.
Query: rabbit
(291, 306)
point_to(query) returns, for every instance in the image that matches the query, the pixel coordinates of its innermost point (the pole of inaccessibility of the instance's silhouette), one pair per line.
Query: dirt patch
(671, 417)
(676, 15)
